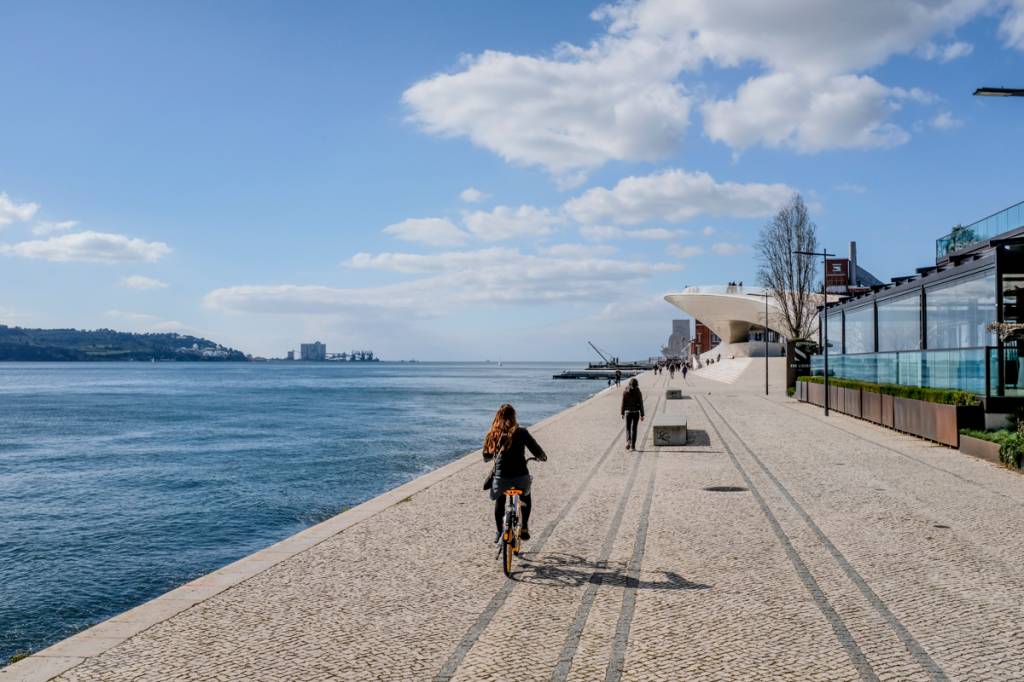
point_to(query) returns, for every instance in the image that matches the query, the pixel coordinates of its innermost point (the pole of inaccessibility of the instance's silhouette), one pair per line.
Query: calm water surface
(120, 481)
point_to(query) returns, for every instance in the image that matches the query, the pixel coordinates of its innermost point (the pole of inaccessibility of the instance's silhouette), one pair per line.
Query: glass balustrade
(963, 236)
(962, 369)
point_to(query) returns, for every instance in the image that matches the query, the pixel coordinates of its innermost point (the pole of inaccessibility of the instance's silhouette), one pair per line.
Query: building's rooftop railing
(963, 236)
(725, 289)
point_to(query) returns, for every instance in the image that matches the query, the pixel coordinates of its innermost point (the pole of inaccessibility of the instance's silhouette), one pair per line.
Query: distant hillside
(106, 344)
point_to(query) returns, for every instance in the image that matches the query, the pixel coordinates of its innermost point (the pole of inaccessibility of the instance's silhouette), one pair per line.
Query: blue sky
(267, 173)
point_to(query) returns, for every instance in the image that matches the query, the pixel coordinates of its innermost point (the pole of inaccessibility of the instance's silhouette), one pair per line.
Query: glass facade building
(934, 328)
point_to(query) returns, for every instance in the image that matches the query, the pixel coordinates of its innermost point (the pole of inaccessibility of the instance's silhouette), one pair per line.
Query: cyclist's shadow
(569, 570)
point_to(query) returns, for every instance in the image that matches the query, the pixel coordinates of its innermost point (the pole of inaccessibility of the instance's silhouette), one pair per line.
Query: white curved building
(728, 310)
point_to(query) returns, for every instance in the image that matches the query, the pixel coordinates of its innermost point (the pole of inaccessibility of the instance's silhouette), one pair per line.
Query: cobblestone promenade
(843, 552)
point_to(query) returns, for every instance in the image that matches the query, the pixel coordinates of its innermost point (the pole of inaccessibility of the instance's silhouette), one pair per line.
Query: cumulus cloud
(675, 196)
(90, 247)
(142, 283)
(727, 249)
(471, 195)
(569, 112)
(505, 222)
(622, 96)
(788, 110)
(708, 231)
(432, 231)
(608, 232)
(436, 262)
(578, 250)
(45, 227)
(11, 212)
(681, 251)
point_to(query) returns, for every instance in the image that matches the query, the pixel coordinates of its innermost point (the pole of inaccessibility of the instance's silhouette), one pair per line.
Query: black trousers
(526, 502)
(632, 424)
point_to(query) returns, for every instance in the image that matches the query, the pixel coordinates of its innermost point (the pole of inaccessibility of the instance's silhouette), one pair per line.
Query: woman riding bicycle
(508, 442)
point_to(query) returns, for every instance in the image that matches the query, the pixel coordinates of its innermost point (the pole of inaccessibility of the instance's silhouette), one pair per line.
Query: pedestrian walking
(618, 376)
(632, 411)
(672, 371)
(685, 370)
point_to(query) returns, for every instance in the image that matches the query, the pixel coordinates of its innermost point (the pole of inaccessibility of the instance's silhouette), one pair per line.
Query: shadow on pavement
(569, 570)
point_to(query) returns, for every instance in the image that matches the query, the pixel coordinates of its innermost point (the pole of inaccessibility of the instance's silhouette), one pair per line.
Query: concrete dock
(776, 545)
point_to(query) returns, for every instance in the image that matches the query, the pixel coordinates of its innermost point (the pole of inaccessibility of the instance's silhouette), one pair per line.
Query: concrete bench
(669, 429)
(674, 394)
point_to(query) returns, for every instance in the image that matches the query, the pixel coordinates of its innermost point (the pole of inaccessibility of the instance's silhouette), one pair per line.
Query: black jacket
(512, 462)
(632, 401)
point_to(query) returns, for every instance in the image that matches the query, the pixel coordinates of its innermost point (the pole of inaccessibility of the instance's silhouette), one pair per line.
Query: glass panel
(959, 311)
(860, 330)
(899, 323)
(835, 332)
(962, 369)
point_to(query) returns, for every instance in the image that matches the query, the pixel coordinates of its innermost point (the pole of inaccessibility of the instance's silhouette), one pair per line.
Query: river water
(120, 481)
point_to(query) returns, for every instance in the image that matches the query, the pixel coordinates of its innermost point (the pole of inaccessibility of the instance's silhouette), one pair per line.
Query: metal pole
(824, 315)
(766, 343)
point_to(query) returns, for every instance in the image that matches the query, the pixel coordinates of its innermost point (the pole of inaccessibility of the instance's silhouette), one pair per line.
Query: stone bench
(674, 394)
(669, 428)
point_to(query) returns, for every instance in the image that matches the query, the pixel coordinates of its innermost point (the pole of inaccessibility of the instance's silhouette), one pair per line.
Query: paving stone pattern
(826, 564)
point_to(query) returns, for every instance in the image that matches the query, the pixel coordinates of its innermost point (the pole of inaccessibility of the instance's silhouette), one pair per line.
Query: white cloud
(609, 232)
(432, 231)
(508, 223)
(578, 250)
(727, 249)
(708, 231)
(144, 322)
(437, 262)
(11, 212)
(622, 97)
(90, 247)
(472, 195)
(787, 110)
(945, 121)
(452, 282)
(1011, 28)
(680, 251)
(45, 227)
(142, 283)
(569, 112)
(675, 196)
(946, 53)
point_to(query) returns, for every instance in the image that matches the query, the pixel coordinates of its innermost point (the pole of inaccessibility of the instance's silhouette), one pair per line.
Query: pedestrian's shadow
(569, 570)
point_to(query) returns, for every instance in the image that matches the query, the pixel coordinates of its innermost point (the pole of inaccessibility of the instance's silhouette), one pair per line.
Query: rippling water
(120, 481)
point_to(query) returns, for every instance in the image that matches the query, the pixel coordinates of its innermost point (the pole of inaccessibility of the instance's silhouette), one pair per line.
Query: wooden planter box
(980, 448)
(888, 409)
(871, 406)
(940, 423)
(851, 399)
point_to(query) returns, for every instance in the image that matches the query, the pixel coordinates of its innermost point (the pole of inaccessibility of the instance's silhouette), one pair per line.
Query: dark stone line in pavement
(853, 650)
(915, 648)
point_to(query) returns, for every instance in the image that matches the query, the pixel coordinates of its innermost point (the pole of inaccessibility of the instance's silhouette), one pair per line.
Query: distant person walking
(672, 371)
(632, 411)
(506, 443)
(618, 376)
(685, 370)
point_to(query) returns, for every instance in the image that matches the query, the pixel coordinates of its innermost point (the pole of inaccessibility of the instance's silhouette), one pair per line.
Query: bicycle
(512, 527)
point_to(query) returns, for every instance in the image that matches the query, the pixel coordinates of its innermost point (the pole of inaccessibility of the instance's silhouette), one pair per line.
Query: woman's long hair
(502, 428)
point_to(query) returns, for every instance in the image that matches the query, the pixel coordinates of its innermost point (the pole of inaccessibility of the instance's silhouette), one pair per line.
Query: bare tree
(790, 278)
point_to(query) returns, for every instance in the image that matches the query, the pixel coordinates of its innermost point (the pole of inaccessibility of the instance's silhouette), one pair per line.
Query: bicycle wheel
(506, 557)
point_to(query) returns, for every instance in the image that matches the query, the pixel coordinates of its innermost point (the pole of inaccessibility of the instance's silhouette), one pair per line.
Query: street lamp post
(766, 294)
(825, 255)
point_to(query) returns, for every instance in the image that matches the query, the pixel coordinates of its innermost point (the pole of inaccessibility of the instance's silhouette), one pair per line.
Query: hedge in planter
(942, 396)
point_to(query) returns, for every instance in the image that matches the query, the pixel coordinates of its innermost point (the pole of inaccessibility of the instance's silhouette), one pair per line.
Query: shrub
(943, 396)
(790, 391)
(1011, 444)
